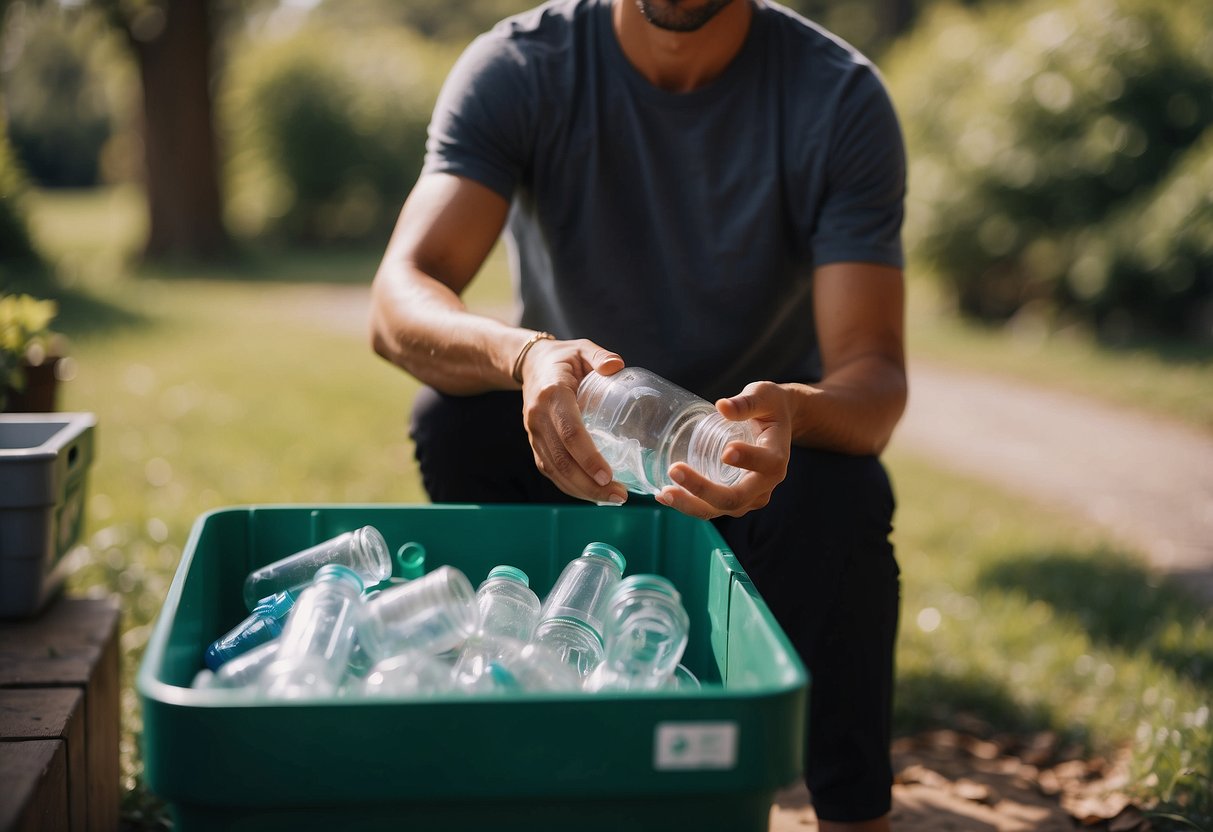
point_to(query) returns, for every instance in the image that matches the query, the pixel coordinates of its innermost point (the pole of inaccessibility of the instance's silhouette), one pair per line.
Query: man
(713, 190)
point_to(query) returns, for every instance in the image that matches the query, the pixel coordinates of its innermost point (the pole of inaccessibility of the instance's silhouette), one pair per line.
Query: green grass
(212, 391)
(1157, 377)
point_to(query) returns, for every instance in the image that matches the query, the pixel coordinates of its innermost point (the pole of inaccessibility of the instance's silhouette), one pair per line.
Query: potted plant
(29, 354)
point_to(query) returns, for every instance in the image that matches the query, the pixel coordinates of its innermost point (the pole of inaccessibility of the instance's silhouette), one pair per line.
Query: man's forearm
(422, 326)
(853, 410)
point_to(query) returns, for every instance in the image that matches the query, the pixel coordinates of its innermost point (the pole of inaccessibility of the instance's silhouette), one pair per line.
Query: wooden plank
(52, 713)
(38, 799)
(74, 643)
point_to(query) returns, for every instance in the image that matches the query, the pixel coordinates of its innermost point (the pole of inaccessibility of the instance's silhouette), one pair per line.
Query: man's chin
(680, 15)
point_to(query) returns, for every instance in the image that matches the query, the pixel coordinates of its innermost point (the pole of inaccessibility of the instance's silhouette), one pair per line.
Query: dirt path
(1146, 480)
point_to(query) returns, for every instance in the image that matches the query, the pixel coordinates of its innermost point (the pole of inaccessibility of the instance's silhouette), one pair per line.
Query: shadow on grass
(1119, 603)
(934, 699)
(349, 265)
(81, 313)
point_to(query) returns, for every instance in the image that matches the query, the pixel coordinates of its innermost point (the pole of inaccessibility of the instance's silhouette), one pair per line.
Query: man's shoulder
(806, 42)
(553, 24)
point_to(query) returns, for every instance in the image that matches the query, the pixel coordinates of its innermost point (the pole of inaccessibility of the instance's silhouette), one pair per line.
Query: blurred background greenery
(205, 188)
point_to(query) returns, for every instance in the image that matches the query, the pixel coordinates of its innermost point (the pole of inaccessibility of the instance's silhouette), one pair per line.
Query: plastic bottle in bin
(508, 605)
(262, 625)
(314, 648)
(411, 673)
(246, 669)
(646, 635)
(363, 550)
(642, 424)
(432, 614)
(498, 663)
(571, 620)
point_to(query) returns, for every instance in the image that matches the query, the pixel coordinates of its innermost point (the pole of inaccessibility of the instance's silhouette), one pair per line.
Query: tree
(172, 41)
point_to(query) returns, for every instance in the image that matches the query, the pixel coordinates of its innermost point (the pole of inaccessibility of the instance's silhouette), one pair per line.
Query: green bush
(16, 248)
(1031, 129)
(327, 131)
(1156, 254)
(60, 93)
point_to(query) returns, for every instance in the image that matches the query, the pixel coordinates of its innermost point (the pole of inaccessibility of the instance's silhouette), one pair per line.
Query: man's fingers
(606, 362)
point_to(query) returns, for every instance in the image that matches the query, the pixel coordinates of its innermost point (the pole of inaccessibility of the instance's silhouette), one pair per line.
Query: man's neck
(681, 61)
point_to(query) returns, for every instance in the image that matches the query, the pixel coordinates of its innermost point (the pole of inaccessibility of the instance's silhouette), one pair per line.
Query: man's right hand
(564, 452)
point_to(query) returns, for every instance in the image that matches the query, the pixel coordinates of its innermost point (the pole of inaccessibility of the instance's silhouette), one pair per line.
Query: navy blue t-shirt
(680, 230)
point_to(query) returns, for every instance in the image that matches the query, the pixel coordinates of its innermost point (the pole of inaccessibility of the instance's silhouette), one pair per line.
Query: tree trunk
(180, 152)
(896, 17)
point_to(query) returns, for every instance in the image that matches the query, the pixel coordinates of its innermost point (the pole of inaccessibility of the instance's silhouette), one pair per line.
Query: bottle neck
(708, 441)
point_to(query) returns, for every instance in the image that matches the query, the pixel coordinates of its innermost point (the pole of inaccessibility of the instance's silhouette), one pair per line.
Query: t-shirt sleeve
(480, 128)
(863, 200)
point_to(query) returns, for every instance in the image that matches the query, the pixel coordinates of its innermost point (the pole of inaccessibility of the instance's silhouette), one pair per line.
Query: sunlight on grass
(1017, 617)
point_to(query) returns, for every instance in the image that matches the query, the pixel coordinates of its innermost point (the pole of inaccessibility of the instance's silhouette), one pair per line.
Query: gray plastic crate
(44, 463)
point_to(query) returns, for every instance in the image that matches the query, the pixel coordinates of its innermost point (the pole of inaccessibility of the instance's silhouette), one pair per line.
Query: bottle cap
(508, 573)
(276, 605)
(410, 558)
(337, 572)
(606, 550)
(648, 583)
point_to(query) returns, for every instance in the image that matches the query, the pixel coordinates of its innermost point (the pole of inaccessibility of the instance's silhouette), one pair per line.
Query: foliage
(16, 247)
(64, 92)
(327, 130)
(1157, 254)
(25, 338)
(1033, 128)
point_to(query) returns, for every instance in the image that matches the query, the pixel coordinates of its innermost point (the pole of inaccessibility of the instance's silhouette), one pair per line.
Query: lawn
(256, 384)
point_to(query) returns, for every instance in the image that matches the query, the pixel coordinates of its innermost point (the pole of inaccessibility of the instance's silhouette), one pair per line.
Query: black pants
(819, 554)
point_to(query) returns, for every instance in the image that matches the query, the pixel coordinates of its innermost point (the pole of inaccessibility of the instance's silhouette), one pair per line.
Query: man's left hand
(769, 406)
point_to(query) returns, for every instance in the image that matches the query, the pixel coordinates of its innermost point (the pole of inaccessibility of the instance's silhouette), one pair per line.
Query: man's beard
(666, 14)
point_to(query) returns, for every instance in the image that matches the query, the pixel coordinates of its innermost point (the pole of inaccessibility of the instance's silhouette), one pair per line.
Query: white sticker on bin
(687, 746)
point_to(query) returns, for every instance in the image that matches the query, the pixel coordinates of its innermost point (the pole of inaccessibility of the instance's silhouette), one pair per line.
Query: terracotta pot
(41, 385)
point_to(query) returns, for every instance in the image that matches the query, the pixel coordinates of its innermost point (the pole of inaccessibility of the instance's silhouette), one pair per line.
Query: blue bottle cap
(606, 550)
(508, 573)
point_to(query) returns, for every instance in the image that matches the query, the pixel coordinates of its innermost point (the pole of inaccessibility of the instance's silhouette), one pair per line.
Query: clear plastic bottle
(412, 673)
(682, 679)
(246, 669)
(497, 663)
(508, 605)
(642, 424)
(314, 648)
(646, 635)
(432, 614)
(571, 619)
(262, 625)
(362, 550)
